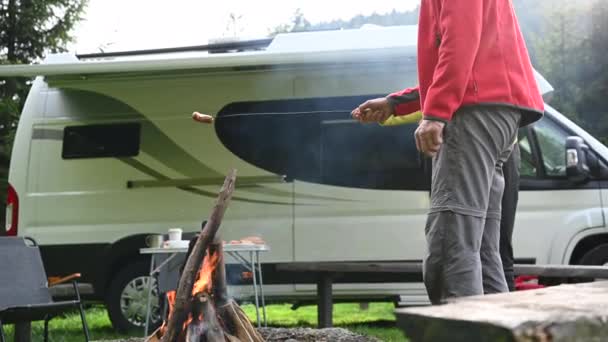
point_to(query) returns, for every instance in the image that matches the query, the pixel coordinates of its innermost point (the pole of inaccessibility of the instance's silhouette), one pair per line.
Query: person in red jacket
(476, 88)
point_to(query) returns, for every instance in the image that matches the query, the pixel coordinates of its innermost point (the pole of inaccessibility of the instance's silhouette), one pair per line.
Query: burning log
(200, 310)
(235, 320)
(237, 323)
(214, 331)
(195, 330)
(204, 325)
(193, 263)
(220, 292)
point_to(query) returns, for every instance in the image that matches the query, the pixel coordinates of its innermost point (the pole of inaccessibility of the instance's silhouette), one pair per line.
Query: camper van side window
(101, 141)
(552, 144)
(528, 165)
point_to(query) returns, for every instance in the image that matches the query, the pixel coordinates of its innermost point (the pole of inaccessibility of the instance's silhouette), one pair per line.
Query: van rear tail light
(12, 211)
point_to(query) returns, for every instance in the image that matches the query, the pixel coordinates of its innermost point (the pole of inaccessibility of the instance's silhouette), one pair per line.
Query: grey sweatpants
(463, 226)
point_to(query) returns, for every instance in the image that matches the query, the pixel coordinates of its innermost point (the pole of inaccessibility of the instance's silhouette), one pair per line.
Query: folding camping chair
(24, 290)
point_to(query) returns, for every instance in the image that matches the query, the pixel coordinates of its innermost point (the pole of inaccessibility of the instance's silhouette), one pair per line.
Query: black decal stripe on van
(315, 140)
(55, 134)
(161, 147)
(90, 105)
(143, 168)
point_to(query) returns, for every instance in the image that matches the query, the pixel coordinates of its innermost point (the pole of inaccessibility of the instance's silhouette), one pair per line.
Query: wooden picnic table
(326, 272)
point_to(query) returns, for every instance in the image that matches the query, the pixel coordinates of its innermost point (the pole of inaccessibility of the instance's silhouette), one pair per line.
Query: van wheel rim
(134, 301)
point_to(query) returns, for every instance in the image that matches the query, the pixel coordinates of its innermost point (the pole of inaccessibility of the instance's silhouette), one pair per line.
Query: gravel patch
(313, 335)
(298, 335)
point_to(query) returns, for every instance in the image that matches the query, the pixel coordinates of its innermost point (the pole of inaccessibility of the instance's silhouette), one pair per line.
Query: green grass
(378, 320)
(69, 328)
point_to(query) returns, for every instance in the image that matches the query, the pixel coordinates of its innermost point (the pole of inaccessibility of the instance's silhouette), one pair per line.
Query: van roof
(368, 43)
(291, 48)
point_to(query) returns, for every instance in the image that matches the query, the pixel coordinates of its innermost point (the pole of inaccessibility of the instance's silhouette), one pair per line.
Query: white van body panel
(547, 220)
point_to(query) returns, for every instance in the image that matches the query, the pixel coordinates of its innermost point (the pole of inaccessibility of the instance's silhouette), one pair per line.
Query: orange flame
(171, 300)
(203, 283)
(203, 280)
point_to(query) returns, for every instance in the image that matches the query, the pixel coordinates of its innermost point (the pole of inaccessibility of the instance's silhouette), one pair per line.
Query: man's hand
(376, 110)
(429, 137)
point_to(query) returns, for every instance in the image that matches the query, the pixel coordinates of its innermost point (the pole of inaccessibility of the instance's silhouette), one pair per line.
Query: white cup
(175, 234)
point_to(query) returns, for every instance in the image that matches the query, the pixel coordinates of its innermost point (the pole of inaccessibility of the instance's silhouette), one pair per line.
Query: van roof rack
(211, 48)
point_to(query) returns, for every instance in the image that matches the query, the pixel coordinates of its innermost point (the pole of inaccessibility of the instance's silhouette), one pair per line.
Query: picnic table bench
(326, 272)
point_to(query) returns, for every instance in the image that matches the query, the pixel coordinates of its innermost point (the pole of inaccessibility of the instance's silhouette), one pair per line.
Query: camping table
(248, 255)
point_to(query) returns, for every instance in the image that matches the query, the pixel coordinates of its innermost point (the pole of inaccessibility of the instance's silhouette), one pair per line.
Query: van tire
(597, 256)
(132, 278)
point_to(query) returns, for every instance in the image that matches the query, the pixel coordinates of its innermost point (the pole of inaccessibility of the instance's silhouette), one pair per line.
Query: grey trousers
(463, 226)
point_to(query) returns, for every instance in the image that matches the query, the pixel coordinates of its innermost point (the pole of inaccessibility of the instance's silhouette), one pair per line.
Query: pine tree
(28, 30)
(593, 104)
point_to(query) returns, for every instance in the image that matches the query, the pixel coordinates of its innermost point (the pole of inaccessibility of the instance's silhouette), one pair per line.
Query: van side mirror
(577, 168)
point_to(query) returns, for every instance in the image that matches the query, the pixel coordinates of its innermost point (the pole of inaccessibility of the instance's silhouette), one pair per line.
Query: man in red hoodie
(477, 87)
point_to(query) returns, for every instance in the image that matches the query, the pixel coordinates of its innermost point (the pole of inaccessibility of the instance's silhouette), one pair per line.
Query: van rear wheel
(127, 299)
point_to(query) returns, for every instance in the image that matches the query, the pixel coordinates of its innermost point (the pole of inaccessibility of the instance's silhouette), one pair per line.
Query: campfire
(200, 309)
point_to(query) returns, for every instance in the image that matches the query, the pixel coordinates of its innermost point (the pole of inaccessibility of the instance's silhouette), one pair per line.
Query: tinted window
(549, 141)
(552, 144)
(98, 141)
(527, 166)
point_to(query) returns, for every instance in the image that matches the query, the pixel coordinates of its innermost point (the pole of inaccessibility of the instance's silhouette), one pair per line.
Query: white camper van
(106, 152)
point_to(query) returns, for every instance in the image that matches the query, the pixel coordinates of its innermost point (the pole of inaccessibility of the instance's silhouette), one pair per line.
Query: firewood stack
(200, 310)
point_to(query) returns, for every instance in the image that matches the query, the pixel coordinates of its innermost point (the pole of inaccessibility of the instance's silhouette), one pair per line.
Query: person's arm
(378, 110)
(460, 24)
(405, 102)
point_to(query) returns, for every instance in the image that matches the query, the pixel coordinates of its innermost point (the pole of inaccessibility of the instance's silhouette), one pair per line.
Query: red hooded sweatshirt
(470, 52)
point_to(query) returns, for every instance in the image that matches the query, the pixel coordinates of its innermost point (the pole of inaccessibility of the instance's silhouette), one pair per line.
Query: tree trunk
(194, 262)
(11, 47)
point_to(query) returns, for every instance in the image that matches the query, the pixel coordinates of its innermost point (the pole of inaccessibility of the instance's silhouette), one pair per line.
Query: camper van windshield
(595, 144)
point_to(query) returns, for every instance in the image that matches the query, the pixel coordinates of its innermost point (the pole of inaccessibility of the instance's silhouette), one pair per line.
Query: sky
(117, 25)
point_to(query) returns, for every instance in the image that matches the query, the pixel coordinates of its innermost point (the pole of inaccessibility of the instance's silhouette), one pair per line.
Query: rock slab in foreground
(574, 312)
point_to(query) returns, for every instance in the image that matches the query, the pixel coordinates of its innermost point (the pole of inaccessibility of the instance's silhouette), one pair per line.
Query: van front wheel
(127, 298)
(598, 256)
